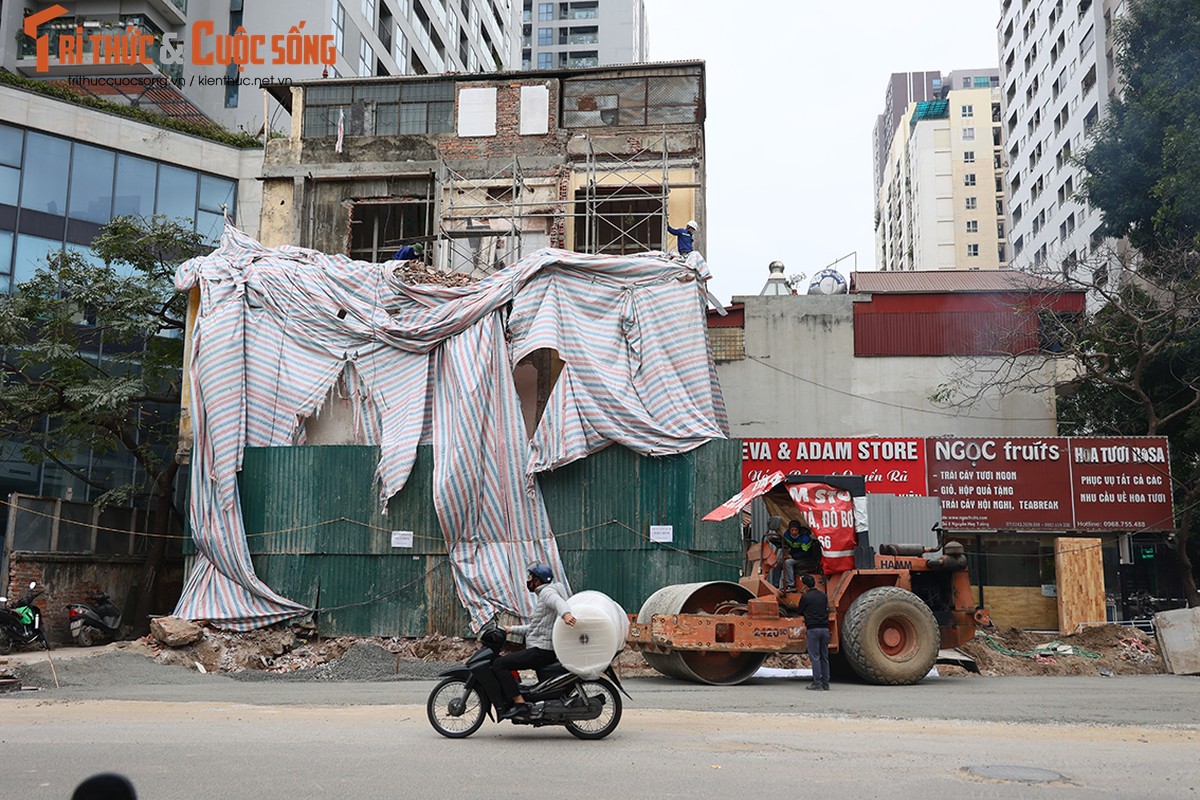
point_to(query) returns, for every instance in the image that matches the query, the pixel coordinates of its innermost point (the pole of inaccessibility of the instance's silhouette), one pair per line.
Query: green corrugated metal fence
(317, 535)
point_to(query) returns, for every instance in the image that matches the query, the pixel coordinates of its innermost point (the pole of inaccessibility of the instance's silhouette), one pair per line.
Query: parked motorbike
(91, 624)
(21, 622)
(588, 709)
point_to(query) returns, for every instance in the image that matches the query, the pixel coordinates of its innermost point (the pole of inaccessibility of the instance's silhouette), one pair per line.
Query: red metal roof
(734, 317)
(952, 280)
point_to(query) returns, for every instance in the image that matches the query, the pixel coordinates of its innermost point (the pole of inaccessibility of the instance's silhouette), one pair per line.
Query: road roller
(890, 614)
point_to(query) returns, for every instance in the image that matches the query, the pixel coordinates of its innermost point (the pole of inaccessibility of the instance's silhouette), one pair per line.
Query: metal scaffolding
(609, 219)
(482, 222)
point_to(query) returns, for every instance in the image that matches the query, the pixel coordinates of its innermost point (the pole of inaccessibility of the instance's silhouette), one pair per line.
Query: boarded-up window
(477, 111)
(652, 100)
(535, 110)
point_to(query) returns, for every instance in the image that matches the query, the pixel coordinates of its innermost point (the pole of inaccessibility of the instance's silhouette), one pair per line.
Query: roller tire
(609, 718)
(890, 637)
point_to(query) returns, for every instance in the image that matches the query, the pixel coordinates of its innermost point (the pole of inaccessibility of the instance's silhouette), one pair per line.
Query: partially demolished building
(476, 392)
(485, 169)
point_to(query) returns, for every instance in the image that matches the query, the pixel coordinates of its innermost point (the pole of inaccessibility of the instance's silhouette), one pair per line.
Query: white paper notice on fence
(662, 533)
(402, 538)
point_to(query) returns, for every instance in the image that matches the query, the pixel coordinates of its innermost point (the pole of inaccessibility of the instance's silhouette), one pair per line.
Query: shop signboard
(890, 466)
(1121, 484)
(1002, 483)
(996, 483)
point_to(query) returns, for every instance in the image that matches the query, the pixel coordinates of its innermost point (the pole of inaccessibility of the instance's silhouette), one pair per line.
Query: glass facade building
(56, 192)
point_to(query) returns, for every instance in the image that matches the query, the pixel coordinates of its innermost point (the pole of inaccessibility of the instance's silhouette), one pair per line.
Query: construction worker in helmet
(539, 646)
(684, 236)
(409, 252)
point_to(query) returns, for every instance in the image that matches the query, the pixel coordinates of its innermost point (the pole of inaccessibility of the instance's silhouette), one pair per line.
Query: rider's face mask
(531, 583)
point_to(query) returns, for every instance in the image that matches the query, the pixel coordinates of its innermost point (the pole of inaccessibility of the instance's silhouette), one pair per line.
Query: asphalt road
(179, 734)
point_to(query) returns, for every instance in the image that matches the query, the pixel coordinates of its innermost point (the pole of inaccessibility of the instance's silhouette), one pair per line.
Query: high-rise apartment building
(904, 88)
(580, 33)
(372, 37)
(1057, 75)
(941, 200)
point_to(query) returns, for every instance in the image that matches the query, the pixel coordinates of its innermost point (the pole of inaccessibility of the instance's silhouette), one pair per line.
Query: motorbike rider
(539, 647)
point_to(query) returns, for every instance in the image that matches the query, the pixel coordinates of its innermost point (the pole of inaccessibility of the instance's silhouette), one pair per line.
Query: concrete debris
(1179, 638)
(414, 274)
(175, 632)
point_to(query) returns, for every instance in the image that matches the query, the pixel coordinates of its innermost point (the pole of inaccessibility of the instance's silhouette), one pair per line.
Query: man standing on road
(814, 606)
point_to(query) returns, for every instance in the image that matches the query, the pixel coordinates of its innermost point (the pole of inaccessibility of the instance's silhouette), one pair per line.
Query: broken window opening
(379, 228)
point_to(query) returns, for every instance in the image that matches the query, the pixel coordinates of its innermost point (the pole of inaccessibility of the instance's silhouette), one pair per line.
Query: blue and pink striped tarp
(278, 327)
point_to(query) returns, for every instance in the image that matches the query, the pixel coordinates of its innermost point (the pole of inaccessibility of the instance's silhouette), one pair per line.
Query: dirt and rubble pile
(1099, 650)
(294, 653)
(415, 274)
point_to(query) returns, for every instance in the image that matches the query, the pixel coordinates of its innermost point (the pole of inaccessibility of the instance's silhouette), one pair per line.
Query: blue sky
(793, 91)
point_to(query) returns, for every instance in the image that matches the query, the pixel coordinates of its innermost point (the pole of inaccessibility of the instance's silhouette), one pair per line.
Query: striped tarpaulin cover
(435, 364)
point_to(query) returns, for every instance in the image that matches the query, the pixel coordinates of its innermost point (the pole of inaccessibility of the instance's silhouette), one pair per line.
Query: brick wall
(508, 140)
(74, 579)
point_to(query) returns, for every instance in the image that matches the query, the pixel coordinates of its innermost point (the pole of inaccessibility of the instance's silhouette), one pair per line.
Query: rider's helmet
(954, 549)
(540, 572)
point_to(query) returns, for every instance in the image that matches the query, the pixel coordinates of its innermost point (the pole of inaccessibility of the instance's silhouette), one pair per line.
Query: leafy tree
(91, 361)
(1137, 358)
(1139, 353)
(1143, 173)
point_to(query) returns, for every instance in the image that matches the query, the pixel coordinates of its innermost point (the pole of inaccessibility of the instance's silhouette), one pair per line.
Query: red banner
(829, 513)
(890, 466)
(734, 504)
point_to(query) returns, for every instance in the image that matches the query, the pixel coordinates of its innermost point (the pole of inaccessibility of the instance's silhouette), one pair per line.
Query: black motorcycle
(99, 622)
(21, 622)
(588, 709)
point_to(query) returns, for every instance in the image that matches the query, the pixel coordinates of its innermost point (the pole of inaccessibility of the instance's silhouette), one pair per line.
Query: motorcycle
(21, 622)
(100, 622)
(587, 708)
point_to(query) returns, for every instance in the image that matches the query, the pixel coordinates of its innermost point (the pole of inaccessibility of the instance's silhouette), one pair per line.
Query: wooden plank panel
(1021, 607)
(1080, 570)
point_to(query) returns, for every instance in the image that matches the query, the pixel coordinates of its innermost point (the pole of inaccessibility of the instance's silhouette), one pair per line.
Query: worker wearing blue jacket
(685, 236)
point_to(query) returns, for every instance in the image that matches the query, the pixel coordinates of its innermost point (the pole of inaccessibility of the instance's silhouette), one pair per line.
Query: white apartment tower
(941, 200)
(579, 33)
(1057, 75)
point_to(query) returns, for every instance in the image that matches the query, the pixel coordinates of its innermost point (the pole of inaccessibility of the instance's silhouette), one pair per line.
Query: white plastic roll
(601, 626)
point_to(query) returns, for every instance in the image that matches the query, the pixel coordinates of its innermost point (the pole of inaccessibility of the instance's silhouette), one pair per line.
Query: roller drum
(698, 666)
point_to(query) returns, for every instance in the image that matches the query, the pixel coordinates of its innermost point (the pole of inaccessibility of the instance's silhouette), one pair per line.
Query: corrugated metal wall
(944, 333)
(317, 536)
(903, 519)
